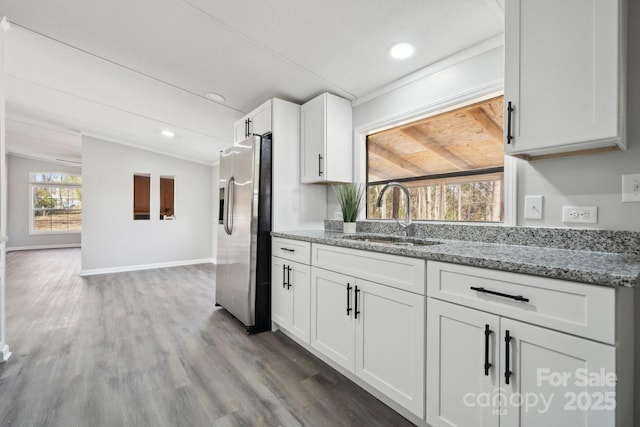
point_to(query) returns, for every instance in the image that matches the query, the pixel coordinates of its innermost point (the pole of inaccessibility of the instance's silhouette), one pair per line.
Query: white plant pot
(349, 227)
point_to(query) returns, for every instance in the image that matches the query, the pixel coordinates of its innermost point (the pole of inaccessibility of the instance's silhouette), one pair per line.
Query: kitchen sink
(392, 240)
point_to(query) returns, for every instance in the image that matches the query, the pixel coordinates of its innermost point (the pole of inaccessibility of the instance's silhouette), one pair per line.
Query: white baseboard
(5, 354)
(34, 247)
(122, 269)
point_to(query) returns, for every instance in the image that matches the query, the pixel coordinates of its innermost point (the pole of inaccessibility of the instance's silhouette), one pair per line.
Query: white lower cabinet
(487, 370)
(372, 330)
(291, 287)
(332, 322)
(290, 283)
(390, 337)
(281, 300)
(456, 374)
(549, 371)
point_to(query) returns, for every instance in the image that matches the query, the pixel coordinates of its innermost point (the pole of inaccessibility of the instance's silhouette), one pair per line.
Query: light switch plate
(533, 207)
(631, 188)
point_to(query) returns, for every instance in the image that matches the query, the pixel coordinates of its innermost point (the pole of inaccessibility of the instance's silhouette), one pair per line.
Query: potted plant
(349, 198)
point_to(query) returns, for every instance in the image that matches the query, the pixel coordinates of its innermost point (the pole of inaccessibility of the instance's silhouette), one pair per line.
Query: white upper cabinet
(257, 122)
(326, 140)
(564, 76)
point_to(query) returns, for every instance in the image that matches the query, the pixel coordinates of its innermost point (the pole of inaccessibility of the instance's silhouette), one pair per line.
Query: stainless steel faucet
(407, 216)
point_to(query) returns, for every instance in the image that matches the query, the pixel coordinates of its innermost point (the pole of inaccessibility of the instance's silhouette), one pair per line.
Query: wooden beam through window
(489, 126)
(436, 147)
(397, 160)
(376, 173)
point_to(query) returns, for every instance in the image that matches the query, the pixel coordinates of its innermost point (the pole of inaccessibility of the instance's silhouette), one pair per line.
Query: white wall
(112, 240)
(18, 215)
(592, 180)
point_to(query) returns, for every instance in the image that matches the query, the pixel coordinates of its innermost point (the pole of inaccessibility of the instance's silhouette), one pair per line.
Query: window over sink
(451, 162)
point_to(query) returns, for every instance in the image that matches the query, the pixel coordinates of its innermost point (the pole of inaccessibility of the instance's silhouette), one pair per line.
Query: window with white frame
(56, 202)
(452, 163)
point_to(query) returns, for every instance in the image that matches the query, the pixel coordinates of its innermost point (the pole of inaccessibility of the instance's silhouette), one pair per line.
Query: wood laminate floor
(147, 348)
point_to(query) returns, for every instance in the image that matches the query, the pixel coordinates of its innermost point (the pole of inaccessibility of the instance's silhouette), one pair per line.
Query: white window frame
(32, 185)
(481, 94)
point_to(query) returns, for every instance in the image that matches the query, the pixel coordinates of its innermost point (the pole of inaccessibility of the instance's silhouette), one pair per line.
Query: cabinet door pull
(349, 299)
(510, 110)
(355, 297)
(320, 171)
(284, 268)
(288, 277)
(487, 365)
(248, 128)
(507, 372)
(288, 250)
(500, 294)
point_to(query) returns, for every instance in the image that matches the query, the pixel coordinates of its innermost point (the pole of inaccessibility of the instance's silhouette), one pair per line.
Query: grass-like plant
(349, 198)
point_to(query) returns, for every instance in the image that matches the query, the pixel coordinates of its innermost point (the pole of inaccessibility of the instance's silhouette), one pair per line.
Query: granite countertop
(598, 268)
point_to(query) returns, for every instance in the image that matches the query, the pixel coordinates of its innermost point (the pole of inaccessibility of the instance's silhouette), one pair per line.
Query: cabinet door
(312, 122)
(261, 119)
(562, 79)
(281, 297)
(549, 366)
(456, 375)
(240, 130)
(332, 323)
(390, 330)
(299, 280)
(338, 165)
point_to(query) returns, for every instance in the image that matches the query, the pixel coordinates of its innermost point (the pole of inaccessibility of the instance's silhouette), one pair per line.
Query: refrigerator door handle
(228, 220)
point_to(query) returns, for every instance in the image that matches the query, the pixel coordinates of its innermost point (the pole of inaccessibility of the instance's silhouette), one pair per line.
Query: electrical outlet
(532, 207)
(580, 214)
(631, 188)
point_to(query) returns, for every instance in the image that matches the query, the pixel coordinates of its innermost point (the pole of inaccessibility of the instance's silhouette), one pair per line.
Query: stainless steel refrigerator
(243, 275)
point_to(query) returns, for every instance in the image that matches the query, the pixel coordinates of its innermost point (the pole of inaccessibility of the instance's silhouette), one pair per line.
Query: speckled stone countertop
(598, 268)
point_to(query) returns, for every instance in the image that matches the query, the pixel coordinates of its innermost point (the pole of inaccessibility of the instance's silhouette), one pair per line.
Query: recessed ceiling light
(4, 24)
(215, 97)
(167, 133)
(402, 50)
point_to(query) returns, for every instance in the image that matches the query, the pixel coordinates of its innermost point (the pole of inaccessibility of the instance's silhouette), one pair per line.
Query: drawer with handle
(293, 250)
(577, 308)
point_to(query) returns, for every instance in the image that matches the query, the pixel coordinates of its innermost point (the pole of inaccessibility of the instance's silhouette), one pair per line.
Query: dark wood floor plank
(148, 348)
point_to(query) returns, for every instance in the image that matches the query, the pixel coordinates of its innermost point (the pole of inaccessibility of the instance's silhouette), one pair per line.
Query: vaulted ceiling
(124, 70)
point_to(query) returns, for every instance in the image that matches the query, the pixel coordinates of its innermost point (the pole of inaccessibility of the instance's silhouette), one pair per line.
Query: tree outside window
(56, 202)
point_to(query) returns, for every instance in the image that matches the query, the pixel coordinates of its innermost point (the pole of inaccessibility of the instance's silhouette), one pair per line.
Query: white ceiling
(124, 70)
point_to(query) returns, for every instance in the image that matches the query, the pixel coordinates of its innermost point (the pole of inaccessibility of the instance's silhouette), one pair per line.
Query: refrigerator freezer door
(235, 287)
(222, 272)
